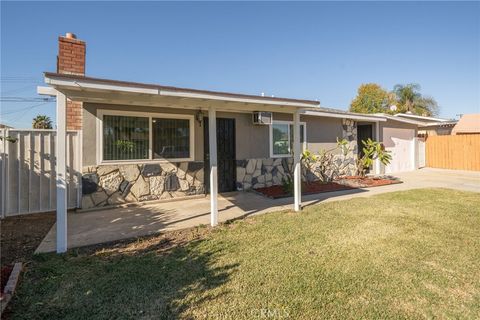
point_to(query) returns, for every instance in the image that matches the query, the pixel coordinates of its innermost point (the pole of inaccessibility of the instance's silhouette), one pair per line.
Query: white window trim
(150, 116)
(270, 138)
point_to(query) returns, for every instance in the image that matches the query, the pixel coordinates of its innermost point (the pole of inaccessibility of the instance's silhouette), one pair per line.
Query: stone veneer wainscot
(265, 172)
(117, 184)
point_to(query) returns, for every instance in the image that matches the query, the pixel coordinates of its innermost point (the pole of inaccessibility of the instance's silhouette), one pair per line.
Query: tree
(409, 99)
(42, 122)
(372, 98)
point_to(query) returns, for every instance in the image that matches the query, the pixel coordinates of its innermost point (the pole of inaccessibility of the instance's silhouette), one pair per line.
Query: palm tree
(411, 100)
(42, 122)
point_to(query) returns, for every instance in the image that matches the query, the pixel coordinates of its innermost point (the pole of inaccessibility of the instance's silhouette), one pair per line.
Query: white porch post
(377, 138)
(60, 152)
(212, 141)
(297, 171)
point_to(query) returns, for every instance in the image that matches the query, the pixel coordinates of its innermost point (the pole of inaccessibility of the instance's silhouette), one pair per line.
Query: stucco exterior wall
(110, 184)
(322, 133)
(396, 124)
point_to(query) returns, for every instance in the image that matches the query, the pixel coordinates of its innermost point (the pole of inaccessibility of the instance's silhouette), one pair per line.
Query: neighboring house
(4, 126)
(146, 141)
(468, 124)
(431, 126)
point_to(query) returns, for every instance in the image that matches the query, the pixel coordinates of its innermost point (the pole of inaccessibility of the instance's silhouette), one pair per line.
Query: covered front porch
(136, 97)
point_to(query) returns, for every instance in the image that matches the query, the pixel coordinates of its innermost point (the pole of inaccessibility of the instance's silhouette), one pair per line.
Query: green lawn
(413, 254)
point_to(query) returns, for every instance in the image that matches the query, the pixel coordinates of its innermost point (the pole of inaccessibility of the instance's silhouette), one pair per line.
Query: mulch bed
(21, 235)
(343, 183)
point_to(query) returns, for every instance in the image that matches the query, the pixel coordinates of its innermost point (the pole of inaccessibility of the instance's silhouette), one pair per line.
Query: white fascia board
(46, 91)
(82, 84)
(98, 86)
(399, 119)
(207, 96)
(342, 116)
(405, 115)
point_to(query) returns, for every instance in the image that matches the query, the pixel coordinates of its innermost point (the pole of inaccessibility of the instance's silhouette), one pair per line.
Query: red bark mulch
(344, 183)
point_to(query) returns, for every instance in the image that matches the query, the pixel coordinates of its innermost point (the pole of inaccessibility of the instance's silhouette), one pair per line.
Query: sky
(306, 50)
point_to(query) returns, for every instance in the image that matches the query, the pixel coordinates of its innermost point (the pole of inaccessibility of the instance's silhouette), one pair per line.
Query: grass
(413, 254)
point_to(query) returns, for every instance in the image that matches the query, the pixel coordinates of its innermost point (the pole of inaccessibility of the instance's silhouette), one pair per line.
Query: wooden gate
(459, 152)
(27, 171)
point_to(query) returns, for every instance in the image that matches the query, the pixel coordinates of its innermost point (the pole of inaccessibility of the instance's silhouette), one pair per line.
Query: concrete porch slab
(102, 226)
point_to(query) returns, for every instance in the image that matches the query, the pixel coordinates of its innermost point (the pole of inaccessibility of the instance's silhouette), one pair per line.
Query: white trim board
(150, 116)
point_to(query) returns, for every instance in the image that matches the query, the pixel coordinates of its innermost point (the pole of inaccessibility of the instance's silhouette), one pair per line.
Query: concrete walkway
(121, 223)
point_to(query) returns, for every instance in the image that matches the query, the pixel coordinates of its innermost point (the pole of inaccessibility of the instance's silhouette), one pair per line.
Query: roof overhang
(341, 115)
(399, 119)
(96, 90)
(421, 118)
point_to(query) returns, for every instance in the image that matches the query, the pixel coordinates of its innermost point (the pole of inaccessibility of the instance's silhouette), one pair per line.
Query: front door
(225, 155)
(364, 132)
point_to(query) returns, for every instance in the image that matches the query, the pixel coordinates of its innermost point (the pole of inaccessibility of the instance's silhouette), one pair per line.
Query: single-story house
(146, 141)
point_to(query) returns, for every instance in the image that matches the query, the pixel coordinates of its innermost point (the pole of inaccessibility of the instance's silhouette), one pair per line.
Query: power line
(25, 109)
(18, 89)
(23, 99)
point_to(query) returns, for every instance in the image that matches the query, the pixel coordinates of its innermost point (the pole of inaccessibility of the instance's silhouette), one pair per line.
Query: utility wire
(25, 109)
(22, 99)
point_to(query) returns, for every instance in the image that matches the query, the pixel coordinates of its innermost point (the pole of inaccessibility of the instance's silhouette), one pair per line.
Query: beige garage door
(400, 142)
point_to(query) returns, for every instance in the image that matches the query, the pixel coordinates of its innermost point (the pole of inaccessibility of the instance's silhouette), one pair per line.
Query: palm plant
(42, 122)
(372, 150)
(411, 100)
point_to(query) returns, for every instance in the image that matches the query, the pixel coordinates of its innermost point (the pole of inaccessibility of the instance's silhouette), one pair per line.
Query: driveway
(101, 226)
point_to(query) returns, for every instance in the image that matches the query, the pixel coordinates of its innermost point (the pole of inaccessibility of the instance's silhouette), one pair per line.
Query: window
(129, 136)
(281, 138)
(171, 138)
(125, 138)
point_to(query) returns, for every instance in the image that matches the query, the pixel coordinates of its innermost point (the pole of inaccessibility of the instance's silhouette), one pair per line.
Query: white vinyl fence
(28, 171)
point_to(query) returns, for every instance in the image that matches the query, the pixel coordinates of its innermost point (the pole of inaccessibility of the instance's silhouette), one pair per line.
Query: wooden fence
(460, 152)
(27, 171)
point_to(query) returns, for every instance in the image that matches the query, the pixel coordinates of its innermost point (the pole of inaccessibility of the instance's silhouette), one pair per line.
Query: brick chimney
(71, 60)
